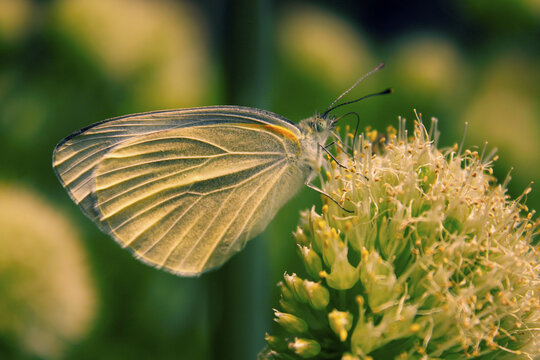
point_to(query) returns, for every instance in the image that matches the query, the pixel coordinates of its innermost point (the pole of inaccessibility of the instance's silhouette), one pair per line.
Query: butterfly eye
(318, 125)
(322, 125)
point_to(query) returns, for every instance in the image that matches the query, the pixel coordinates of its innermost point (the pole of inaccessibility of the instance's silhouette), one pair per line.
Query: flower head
(433, 261)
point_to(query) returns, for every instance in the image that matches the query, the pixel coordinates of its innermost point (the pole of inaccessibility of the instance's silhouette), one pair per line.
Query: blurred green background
(68, 291)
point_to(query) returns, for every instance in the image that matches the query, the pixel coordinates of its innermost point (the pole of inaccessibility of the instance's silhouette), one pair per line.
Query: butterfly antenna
(384, 92)
(352, 87)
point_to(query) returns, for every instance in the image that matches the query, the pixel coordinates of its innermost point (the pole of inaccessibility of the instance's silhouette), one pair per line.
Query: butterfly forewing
(186, 189)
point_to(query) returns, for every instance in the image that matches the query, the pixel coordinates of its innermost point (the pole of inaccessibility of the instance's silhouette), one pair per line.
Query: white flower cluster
(434, 260)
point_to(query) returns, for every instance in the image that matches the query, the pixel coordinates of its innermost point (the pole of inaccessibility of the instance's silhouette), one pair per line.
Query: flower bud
(286, 293)
(365, 335)
(343, 275)
(289, 306)
(290, 323)
(296, 286)
(305, 348)
(311, 259)
(340, 323)
(379, 279)
(276, 343)
(318, 295)
(300, 236)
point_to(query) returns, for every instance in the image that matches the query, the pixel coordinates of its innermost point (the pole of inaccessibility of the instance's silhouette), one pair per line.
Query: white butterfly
(185, 190)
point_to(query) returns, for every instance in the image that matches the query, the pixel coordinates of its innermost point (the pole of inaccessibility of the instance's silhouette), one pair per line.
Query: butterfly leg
(332, 156)
(311, 186)
(336, 145)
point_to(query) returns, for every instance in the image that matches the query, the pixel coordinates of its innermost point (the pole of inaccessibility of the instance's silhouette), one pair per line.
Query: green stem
(239, 292)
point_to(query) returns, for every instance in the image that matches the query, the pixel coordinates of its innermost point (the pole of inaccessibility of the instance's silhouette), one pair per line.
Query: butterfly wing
(184, 190)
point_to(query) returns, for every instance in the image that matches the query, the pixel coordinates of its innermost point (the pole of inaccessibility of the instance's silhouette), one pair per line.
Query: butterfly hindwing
(183, 192)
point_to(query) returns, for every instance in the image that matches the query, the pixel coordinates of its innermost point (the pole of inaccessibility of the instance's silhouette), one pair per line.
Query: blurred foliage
(164, 57)
(65, 64)
(48, 297)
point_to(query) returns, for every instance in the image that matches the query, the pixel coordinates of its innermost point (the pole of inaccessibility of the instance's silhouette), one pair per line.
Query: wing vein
(144, 140)
(173, 158)
(186, 193)
(200, 237)
(159, 190)
(268, 132)
(218, 238)
(174, 224)
(260, 201)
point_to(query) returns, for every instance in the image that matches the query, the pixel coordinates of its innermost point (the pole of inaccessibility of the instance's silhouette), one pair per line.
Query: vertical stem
(239, 292)
(246, 52)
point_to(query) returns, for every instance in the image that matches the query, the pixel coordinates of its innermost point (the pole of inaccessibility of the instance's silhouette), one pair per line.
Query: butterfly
(184, 190)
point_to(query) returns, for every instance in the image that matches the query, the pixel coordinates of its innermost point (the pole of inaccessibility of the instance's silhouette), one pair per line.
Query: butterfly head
(318, 127)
